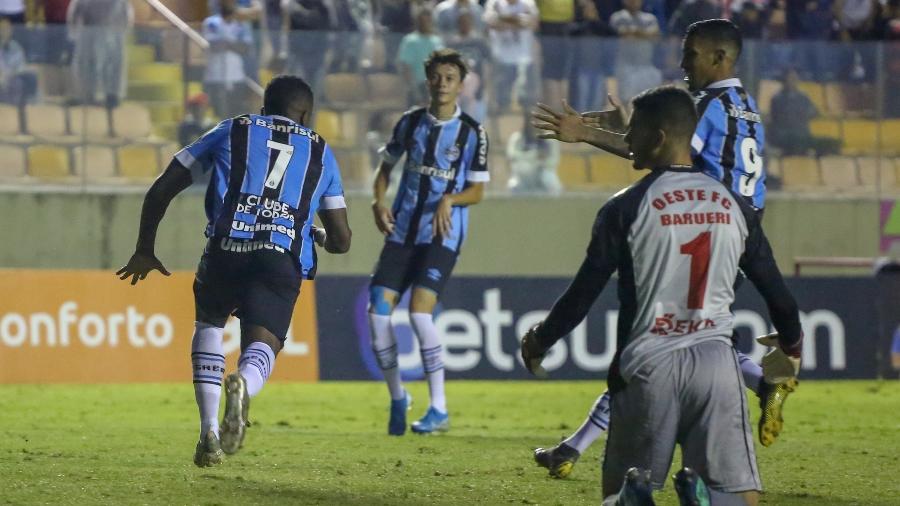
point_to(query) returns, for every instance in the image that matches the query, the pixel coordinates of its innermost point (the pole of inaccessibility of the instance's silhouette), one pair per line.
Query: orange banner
(90, 327)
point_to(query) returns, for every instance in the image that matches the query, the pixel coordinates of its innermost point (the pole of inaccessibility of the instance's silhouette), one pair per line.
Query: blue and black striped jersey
(729, 141)
(269, 176)
(441, 157)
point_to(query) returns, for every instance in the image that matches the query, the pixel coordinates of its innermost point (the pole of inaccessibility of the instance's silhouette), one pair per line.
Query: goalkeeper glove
(533, 353)
(779, 365)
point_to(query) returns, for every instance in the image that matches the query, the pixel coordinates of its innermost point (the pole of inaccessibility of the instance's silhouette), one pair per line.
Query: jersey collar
(680, 168)
(275, 116)
(436, 121)
(732, 82)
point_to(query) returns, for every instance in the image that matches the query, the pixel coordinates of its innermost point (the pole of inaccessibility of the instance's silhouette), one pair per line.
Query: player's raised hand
(384, 218)
(139, 266)
(533, 353)
(564, 126)
(442, 222)
(614, 119)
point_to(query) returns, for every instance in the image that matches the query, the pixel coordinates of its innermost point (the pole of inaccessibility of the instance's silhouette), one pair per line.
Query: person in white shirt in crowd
(97, 29)
(638, 32)
(447, 12)
(229, 40)
(511, 26)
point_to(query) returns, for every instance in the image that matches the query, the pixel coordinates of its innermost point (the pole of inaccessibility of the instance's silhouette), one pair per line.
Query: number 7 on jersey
(285, 152)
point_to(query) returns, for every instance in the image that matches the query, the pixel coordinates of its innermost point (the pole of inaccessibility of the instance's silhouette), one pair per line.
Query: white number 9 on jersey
(753, 166)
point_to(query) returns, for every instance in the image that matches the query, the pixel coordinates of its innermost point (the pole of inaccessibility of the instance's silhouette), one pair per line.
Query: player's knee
(423, 300)
(257, 334)
(381, 300)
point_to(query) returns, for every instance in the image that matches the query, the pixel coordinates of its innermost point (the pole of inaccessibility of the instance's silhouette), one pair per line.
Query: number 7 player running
(728, 145)
(444, 174)
(270, 174)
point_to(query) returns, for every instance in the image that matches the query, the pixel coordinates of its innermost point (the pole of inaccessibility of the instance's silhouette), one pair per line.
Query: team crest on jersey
(452, 153)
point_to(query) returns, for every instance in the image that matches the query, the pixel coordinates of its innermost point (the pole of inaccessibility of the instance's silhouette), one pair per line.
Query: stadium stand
(48, 161)
(800, 173)
(13, 165)
(839, 173)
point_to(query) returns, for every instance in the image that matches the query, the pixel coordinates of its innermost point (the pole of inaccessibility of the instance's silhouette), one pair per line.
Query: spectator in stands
(17, 84)
(395, 20)
(532, 161)
(854, 19)
(750, 19)
(557, 18)
(414, 50)
(888, 28)
(52, 45)
(638, 32)
(13, 10)
(511, 26)
(97, 29)
(809, 22)
(446, 16)
(250, 13)
(196, 122)
(476, 53)
(790, 113)
(593, 60)
(352, 45)
(307, 45)
(229, 40)
(689, 12)
(887, 24)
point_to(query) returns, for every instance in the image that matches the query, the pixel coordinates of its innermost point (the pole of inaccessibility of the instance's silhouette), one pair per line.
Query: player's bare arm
(337, 231)
(169, 184)
(471, 195)
(384, 218)
(569, 126)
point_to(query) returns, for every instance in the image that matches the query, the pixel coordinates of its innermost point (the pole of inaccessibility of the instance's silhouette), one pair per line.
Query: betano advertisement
(90, 327)
(480, 319)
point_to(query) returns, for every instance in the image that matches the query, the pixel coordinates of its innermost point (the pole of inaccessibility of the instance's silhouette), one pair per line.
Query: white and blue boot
(433, 421)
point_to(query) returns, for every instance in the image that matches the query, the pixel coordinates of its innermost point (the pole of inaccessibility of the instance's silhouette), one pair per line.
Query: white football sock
(432, 357)
(384, 345)
(255, 365)
(208, 361)
(595, 424)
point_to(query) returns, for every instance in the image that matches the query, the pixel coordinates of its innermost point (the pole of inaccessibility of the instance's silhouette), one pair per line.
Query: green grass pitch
(326, 443)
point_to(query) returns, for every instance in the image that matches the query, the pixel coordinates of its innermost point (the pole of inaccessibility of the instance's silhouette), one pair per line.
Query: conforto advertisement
(90, 327)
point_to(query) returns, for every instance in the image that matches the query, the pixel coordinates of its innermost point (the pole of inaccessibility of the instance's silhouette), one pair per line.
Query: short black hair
(668, 108)
(720, 31)
(284, 91)
(444, 56)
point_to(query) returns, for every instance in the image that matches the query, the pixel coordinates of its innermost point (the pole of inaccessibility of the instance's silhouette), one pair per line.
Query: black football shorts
(259, 287)
(424, 265)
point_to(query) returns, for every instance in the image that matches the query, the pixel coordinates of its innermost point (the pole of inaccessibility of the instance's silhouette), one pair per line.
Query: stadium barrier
(480, 319)
(90, 327)
(93, 328)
